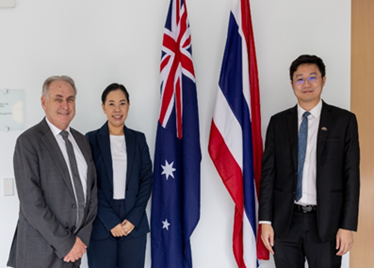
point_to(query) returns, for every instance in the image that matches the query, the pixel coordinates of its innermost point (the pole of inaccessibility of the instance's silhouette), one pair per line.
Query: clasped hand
(122, 229)
(79, 248)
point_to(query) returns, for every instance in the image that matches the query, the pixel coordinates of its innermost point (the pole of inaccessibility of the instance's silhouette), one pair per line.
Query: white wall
(99, 42)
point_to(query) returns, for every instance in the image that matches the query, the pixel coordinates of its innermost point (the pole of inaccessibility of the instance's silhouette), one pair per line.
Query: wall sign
(12, 109)
(7, 3)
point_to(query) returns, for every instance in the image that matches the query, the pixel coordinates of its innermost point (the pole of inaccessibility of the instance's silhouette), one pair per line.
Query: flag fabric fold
(176, 187)
(235, 143)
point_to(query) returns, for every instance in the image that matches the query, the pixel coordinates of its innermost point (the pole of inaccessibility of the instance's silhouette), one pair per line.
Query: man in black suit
(310, 181)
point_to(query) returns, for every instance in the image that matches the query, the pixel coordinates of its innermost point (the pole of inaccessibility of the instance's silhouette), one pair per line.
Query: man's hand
(118, 231)
(344, 241)
(76, 252)
(267, 236)
(127, 227)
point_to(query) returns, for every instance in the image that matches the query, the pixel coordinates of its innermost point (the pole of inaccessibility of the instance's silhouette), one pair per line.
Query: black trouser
(303, 243)
(118, 252)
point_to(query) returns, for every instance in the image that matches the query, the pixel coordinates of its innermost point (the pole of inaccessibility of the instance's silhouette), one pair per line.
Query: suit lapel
(293, 133)
(323, 128)
(103, 140)
(52, 147)
(130, 148)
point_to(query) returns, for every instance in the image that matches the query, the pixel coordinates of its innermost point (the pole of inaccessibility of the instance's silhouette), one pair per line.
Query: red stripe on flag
(168, 92)
(177, 11)
(226, 166)
(254, 91)
(262, 252)
(169, 42)
(178, 108)
(232, 177)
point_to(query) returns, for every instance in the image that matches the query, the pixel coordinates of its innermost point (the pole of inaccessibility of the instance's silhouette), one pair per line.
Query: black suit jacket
(338, 182)
(138, 181)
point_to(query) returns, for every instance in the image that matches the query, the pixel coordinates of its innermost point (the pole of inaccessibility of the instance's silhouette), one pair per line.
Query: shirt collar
(315, 112)
(55, 130)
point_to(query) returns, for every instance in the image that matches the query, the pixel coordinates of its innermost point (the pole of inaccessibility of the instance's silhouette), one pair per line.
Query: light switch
(8, 187)
(7, 3)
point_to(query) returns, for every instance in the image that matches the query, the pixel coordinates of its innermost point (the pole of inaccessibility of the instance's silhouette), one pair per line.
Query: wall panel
(362, 102)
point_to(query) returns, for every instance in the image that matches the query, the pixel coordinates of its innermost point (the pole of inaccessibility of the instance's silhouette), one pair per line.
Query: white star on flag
(168, 169)
(165, 224)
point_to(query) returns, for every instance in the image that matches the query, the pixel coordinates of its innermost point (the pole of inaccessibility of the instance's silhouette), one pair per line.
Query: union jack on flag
(176, 61)
(176, 186)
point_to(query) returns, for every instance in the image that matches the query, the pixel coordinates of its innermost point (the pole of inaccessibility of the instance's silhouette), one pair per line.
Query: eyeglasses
(301, 81)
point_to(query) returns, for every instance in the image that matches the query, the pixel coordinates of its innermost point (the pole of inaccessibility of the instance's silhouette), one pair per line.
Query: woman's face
(116, 107)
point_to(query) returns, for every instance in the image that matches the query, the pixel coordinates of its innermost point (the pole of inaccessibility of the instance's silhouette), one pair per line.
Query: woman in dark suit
(124, 174)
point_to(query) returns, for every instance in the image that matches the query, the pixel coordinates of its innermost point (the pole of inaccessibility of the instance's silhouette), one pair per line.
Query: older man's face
(59, 105)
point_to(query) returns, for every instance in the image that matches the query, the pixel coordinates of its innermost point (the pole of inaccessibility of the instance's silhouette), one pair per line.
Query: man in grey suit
(56, 185)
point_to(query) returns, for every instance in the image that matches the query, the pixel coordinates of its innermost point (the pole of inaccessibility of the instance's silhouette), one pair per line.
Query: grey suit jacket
(46, 229)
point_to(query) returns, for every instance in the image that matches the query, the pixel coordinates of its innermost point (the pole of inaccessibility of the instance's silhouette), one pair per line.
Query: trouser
(303, 243)
(118, 252)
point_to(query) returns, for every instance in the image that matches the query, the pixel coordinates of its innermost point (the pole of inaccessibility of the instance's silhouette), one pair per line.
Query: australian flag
(176, 186)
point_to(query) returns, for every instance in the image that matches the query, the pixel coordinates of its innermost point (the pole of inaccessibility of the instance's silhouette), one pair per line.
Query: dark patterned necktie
(303, 140)
(76, 179)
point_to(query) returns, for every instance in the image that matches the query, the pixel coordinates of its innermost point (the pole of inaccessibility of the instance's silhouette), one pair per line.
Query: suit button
(127, 188)
(73, 206)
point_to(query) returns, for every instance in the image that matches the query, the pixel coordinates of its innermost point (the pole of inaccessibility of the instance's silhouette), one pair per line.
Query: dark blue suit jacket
(138, 184)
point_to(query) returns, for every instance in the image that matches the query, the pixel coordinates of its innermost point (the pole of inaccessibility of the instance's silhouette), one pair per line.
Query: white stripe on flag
(229, 127)
(249, 244)
(249, 239)
(237, 13)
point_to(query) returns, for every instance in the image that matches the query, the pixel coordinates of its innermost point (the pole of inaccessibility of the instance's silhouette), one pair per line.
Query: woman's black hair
(113, 87)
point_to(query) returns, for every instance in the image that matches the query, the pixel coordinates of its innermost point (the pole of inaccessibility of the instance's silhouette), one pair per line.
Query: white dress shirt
(309, 196)
(81, 162)
(119, 164)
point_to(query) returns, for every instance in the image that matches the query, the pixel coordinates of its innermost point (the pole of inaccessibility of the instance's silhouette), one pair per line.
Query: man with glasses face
(310, 176)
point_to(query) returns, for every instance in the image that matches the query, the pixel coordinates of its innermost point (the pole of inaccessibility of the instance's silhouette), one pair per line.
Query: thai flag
(176, 186)
(235, 144)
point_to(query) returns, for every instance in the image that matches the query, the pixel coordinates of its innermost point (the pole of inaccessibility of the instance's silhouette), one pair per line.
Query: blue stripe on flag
(231, 84)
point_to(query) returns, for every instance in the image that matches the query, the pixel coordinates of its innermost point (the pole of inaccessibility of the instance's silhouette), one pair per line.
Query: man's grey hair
(49, 80)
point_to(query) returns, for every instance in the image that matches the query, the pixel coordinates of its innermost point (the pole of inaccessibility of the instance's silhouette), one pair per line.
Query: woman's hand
(127, 227)
(118, 231)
